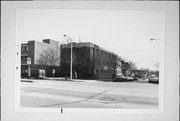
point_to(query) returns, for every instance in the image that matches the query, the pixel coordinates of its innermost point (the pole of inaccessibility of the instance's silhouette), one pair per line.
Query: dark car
(153, 79)
(122, 78)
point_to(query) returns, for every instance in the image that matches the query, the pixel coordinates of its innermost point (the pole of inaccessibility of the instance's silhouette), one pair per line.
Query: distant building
(44, 57)
(89, 61)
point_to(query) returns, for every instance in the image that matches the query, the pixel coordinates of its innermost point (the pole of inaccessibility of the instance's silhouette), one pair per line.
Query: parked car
(153, 79)
(123, 78)
(41, 73)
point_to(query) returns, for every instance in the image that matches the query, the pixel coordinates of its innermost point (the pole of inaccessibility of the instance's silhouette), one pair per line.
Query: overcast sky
(126, 33)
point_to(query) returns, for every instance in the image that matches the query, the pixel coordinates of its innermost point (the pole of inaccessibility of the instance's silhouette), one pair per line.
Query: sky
(126, 33)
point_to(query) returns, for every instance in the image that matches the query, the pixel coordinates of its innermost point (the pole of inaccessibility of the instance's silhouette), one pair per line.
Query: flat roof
(86, 44)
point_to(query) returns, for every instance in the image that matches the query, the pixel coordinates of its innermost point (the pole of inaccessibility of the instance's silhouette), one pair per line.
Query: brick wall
(34, 49)
(100, 63)
(105, 63)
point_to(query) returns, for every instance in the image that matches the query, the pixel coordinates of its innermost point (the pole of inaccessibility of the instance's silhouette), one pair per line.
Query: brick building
(89, 61)
(44, 56)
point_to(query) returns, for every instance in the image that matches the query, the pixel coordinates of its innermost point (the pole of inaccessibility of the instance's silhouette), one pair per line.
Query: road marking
(97, 89)
(81, 100)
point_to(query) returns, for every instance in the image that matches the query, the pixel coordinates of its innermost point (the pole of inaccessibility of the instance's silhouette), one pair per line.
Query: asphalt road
(88, 94)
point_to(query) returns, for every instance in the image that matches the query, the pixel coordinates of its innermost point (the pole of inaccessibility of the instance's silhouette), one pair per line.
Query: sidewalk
(44, 79)
(60, 79)
(74, 80)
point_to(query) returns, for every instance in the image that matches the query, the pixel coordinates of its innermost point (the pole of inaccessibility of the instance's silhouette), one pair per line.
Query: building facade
(89, 61)
(44, 57)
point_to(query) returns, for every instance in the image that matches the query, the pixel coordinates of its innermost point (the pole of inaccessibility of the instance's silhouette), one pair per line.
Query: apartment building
(89, 61)
(44, 57)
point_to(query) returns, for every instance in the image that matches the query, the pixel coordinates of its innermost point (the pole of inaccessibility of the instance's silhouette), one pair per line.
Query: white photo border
(155, 6)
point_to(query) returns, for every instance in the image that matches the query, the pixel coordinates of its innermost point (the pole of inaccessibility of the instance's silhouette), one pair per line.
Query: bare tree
(128, 67)
(82, 63)
(49, 57)
(132, 65)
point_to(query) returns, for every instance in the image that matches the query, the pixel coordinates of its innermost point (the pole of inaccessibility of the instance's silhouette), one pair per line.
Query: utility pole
(71, 56)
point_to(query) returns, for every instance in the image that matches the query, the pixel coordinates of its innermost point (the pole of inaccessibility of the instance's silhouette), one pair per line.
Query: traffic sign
(28, 61)
(105, 68)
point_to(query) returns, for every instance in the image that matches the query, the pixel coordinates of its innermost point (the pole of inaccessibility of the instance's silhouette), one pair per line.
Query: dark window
(101, 52)
(101, 70)
(97, 52)
(103, 62)
(23, 58)
(97, 71)
(24, 48)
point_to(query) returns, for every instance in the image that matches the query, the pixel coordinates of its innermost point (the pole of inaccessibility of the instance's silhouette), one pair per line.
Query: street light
(71, 57)
(153, 39)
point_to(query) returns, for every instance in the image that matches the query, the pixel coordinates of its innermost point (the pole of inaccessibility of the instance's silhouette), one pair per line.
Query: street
(88, 94)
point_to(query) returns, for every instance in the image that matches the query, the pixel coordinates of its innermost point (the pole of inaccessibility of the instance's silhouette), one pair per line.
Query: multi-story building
(119, 64)
(89, 61)
(44, 56)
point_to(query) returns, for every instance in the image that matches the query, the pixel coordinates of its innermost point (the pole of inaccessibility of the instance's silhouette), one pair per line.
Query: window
(101, 70)
(23, 58)
(24, 48)
(97, 52)
(101, 52)
(97, 71)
